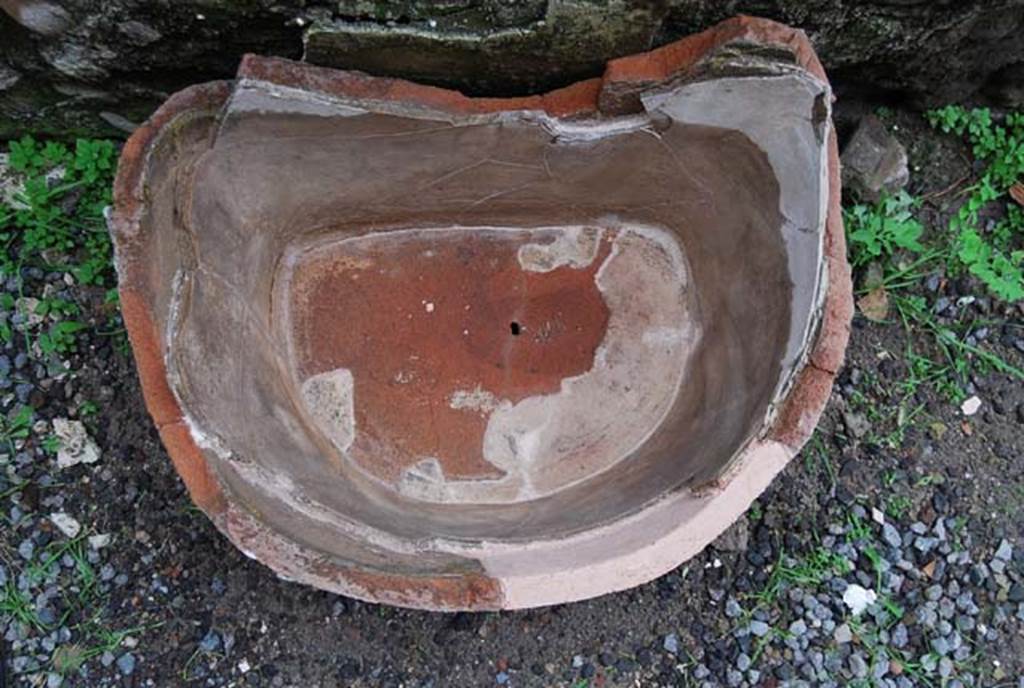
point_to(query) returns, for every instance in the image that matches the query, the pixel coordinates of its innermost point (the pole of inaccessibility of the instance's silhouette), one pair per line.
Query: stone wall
(97, 66)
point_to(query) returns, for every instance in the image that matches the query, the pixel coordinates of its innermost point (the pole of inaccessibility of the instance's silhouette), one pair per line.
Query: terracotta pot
(458, 353)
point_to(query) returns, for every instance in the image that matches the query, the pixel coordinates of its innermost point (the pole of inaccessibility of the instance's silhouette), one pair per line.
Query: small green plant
(51, 444)
(60, 338)
(809, 571)
(40, 229)
(755, 513)
(897, 507)
(15, 426)
(17, 605)
(991, 256)
(857, 530)
(888, 247)
(817, 459)
(877, 232)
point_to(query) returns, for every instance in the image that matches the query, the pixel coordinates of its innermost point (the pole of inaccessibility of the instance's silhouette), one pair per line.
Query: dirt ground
(203, 614)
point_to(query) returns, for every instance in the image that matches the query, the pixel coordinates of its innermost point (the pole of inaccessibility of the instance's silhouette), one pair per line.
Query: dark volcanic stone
(133, 52)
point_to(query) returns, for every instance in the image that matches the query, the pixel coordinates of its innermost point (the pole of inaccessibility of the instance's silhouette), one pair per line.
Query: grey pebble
(891, 535)
(1016, 593)
(927, 617)
(210, 642)
(843, 634)
(759, 628)
(671, 644)
(46, 616)
(22, 391)
(880, 668)
(126, 663)
(858, 666)
(941, 645)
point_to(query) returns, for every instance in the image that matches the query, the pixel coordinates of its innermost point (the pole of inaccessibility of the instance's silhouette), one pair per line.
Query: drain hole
(514, 326)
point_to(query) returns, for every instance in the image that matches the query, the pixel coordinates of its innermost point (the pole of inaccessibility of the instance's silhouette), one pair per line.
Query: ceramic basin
(458, 353)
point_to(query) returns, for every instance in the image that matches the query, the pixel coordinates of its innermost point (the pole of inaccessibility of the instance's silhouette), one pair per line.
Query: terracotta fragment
(457, 353)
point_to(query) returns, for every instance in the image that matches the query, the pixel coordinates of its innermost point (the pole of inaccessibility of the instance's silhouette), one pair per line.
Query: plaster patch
(329, 399)
(477, 399)
(574, 246)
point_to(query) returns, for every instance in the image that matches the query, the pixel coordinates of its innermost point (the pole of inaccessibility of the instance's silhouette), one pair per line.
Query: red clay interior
(486, 324)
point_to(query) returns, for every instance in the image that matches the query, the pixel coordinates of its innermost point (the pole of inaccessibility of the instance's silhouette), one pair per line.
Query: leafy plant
(991, 256)
(59, 209)
(51, 444)
(60, 338)
(55, 223)
(17, 605)
(16, 426)
(877, 232)
(898, 506)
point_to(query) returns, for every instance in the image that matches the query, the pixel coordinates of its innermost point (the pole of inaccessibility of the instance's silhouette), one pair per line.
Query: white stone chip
(971, 406)
(66, 524)
(99, 541)
(75, 444)
(858, 599)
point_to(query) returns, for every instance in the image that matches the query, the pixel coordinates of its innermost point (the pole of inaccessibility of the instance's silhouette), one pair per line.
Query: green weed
(809, 572)
(887, 243)
(18, 605)
(878, 232)
(897, 507)
(817, 459)
(55, 223)
(990, 256)
(15, 426)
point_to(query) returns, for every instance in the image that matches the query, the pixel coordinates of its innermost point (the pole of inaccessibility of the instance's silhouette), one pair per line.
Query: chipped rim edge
(499, 586)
